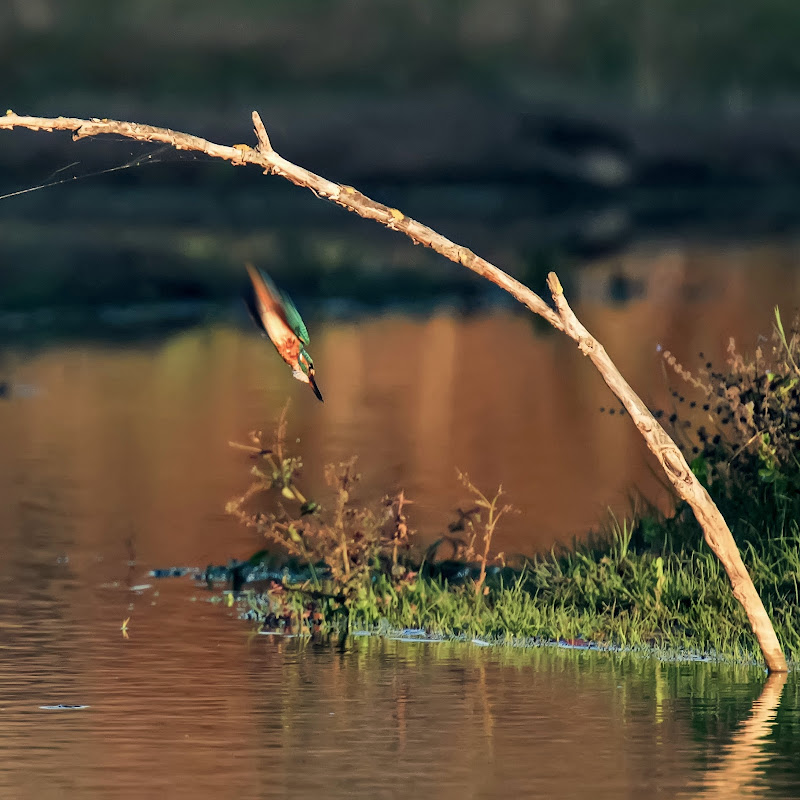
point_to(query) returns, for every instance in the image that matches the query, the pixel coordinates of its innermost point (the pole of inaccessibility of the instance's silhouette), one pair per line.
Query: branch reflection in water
(740, 772)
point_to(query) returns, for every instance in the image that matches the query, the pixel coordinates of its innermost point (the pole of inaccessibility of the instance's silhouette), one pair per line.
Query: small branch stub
(264, 144)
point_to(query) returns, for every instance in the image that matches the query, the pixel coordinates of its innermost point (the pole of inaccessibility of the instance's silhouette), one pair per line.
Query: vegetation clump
(649, 583)
(741, 434)
(357, 563)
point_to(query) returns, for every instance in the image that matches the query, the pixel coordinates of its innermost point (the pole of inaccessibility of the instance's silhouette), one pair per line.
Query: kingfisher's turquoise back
(292, 314)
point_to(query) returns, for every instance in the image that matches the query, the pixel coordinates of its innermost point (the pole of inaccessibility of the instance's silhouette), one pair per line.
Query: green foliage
(678, 603)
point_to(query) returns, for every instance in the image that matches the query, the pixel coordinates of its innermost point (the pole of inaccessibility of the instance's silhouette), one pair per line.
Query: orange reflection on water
(139, 434)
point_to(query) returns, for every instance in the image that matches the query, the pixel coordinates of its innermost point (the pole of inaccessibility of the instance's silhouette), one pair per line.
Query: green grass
(678, 604)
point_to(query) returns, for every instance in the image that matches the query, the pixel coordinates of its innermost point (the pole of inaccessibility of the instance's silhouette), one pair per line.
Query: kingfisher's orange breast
(289, 350)
(274, 320)
(282, 336)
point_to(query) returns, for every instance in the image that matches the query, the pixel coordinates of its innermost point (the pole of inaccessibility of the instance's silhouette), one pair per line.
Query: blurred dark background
(540, 132)
(648, 151)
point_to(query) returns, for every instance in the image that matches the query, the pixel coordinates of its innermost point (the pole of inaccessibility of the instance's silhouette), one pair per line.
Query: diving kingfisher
(275, 314)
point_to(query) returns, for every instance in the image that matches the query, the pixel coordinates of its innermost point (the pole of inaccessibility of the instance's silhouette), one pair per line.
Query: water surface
(115, 459)
(195, 702)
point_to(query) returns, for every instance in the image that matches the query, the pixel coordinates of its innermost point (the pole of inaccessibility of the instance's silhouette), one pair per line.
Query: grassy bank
(612, 596)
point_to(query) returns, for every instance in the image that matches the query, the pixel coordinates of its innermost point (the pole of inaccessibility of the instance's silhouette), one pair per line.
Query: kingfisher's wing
(294, 319)
(265, 298)
(251, 301)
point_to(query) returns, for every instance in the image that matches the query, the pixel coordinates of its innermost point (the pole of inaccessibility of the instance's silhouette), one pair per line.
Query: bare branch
(266, 158)
(715, 529)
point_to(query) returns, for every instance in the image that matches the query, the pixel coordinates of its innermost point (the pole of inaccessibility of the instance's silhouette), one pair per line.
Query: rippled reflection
(224, 711)
(741, 771)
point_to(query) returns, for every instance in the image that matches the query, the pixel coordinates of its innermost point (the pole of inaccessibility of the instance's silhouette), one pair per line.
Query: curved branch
(265, 157)
(715, 529)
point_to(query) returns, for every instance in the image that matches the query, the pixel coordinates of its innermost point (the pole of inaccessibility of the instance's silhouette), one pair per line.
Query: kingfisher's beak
(314, 386)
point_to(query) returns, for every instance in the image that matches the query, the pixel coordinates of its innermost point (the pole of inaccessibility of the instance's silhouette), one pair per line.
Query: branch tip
(264, 144)
(555, 284)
